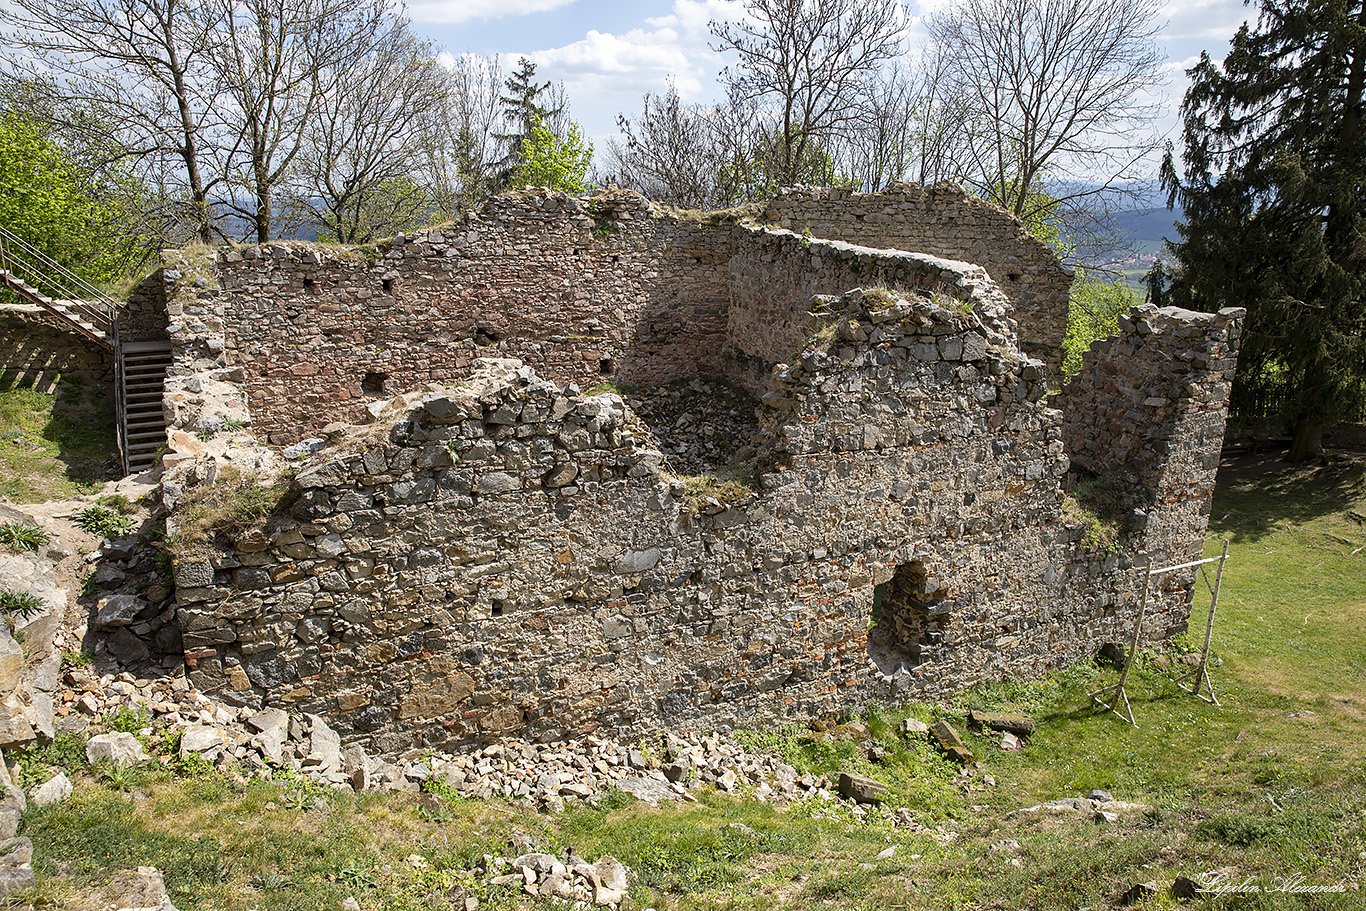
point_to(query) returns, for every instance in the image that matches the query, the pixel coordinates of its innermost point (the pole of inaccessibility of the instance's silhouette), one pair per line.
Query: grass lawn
(1267, 791)
(55, 445)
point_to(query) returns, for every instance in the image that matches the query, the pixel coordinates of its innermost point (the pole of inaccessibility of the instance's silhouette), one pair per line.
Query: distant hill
(1145, 228)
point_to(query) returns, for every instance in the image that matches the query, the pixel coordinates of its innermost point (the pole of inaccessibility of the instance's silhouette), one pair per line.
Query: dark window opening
(485, 337)
(388, 284)
(373, 383)
(606, 367)
(910, 612)
(497, 609)
(309, 284)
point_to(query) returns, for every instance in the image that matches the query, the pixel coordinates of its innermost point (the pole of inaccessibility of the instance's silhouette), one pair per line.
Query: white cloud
(450, 12)
(643, 59)
(1205, 20)
(606, 74)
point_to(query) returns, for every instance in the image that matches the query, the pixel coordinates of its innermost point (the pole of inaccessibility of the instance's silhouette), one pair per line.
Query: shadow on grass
(1255, 492)
(67, 433)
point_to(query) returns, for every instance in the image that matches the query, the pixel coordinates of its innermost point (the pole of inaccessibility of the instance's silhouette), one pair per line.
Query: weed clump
(235, 502)
(17, 606)
(112, 516)
(22, 537)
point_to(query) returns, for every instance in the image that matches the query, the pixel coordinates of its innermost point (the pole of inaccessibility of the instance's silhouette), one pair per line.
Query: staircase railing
(31, 265)
(50, 278)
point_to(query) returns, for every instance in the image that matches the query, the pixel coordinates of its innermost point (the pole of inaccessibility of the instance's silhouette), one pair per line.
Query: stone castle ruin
(490, 539)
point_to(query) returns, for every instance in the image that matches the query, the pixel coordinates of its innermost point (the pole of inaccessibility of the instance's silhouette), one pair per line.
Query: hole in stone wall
(497, 609)
(1013, 276)
(373, 383)
(388, 284)
(607, 367)
(485, 337)
(909, 614)
(309, 284)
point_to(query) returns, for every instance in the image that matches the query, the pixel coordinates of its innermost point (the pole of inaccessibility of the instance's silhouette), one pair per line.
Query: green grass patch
(55, 445)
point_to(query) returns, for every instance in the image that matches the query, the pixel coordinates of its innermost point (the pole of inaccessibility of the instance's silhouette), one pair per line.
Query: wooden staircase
(139, 367)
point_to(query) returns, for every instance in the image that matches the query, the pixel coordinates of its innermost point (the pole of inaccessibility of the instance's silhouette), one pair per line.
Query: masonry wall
(774, 273)
(509, 556)
(583, 290)
(944, 221)
(586, 290)
(1147, 411)
(37, 348)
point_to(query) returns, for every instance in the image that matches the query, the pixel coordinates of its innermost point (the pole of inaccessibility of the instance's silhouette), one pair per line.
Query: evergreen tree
(1272, 193)
(524, 108)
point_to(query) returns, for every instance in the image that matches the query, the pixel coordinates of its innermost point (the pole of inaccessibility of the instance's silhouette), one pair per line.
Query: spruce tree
(523, 111)
(1271, 190)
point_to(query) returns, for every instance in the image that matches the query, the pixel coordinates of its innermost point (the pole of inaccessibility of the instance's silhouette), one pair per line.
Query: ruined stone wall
(1147, 410)
(143, 317)
(583, 290)
(774, 274)
(944, 221)
(38, 348)
(510, 555)
(608, 288)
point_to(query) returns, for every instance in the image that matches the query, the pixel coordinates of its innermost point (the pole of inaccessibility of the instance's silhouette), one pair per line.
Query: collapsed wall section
(583, 290)
(1146, 415)
(510, 555)
(774, 273)
(946, 222)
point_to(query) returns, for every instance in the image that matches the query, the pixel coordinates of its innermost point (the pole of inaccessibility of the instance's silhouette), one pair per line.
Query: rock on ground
(119, 749)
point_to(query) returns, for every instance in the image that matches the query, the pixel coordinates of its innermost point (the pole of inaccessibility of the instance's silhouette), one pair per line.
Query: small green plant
(67, 753)
(22, 537)
(74, 659)
(118, 777)
(127, 720)
(105, 521)
(18, 606)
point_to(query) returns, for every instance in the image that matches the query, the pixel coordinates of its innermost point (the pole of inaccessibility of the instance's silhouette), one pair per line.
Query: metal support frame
(1118, 689)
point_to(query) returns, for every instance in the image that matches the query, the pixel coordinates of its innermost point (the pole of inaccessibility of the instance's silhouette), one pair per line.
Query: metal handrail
(51, 279)
(25, 261)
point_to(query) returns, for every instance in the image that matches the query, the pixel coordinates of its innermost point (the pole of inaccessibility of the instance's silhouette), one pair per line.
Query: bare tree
(274, 62)
(811, 61)
(882, 147)
(127, 76)
(940, 126)
(463, 153)
(671, 153)
(1056, 87)
(360, 169)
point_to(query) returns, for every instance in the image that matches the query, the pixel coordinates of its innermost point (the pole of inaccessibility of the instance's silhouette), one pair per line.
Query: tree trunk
(1308, 441)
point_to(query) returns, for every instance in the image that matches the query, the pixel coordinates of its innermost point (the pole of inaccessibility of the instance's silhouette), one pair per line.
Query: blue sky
(609, 54)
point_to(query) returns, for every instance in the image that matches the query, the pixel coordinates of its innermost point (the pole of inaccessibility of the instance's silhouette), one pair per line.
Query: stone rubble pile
(134, 621)
(700, 426)
(572, 880)
(544, 775)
